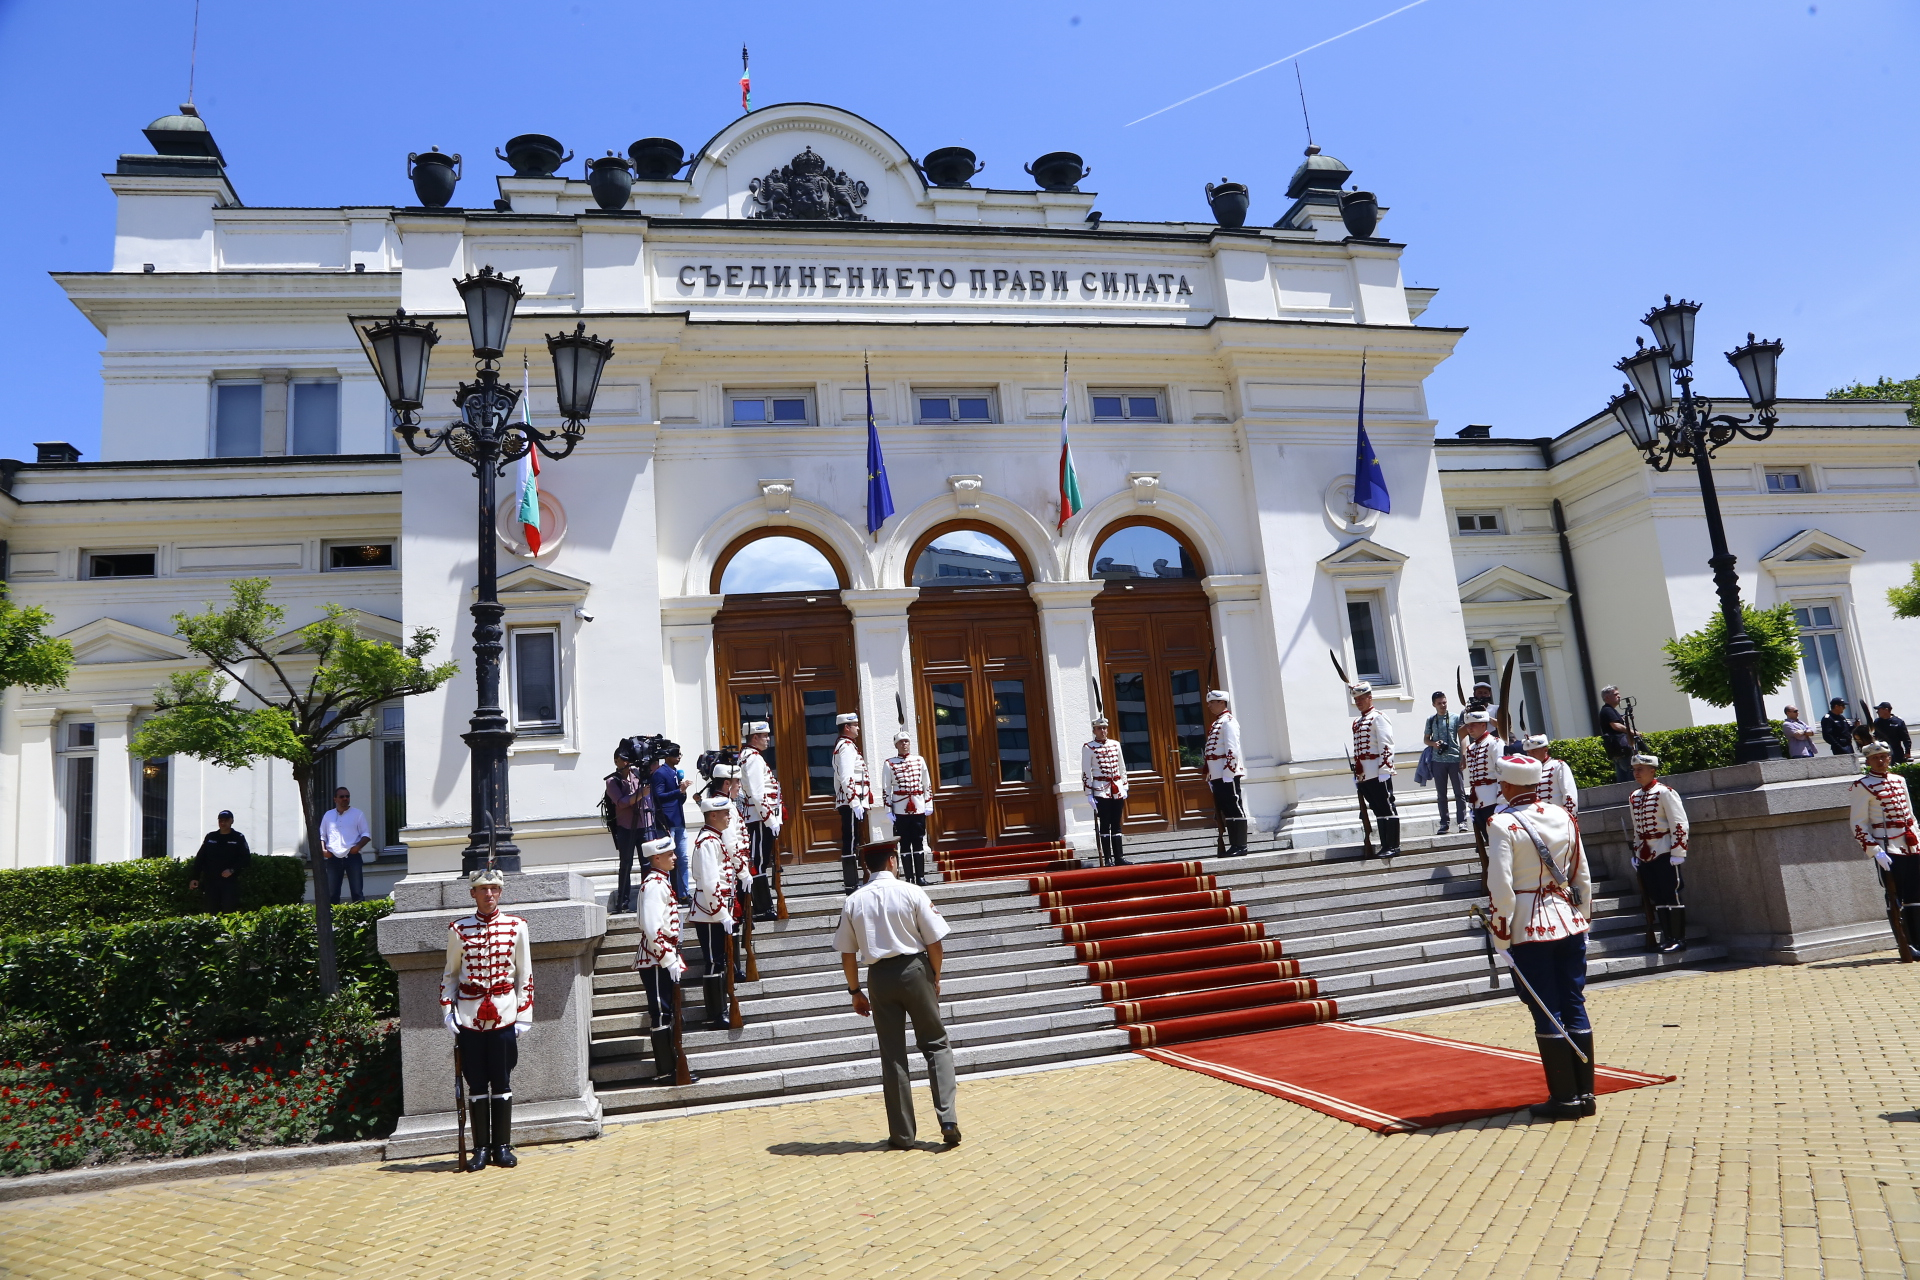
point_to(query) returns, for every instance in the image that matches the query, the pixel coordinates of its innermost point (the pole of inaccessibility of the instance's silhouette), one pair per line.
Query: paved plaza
(1789, 1146)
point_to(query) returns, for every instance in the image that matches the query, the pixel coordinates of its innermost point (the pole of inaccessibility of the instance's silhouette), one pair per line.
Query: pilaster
(34, 824)
(1072, 659)
(692, 695)
(113, 793)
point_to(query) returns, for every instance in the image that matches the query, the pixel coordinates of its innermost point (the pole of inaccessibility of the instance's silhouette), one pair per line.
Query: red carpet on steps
(1173, 954)
(1382, 1079)
(1004, 861)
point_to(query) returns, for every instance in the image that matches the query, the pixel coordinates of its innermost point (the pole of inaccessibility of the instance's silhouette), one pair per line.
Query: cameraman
(630, 819)
(669, 788)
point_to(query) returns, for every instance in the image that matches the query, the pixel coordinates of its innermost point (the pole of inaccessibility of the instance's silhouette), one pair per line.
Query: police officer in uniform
(486, 993)
(1103, 772)
(713, 902)
(1883, 824)
(222, 856)
(908, 795)
(1542, 896)
(852, 795)
(658, 959)
(760, 798)
(1224, 771)
(1659, 848)
(1556, 776)
(1373, 766)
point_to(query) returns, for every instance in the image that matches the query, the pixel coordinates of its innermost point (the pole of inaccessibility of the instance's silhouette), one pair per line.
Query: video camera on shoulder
(709, 760)
(646, 750)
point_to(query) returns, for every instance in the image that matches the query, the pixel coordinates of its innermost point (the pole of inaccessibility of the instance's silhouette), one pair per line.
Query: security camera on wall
(580, 612)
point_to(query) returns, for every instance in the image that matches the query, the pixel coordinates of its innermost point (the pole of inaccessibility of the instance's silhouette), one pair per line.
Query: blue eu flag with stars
(1369, 485)
(879, 496)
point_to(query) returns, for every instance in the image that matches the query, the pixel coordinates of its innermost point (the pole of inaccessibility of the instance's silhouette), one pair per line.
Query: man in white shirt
(343, 834)
(893, 927)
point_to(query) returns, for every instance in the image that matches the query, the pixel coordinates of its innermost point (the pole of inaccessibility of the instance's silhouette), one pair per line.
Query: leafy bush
(45, 899)
(191, 979)
(337, 1083)
(1698, 661)
(1703, 746)
(1911, 772)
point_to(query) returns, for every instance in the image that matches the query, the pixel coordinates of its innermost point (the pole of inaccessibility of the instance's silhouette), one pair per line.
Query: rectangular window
(770, 408)
(758, 706)
(1788, 480)
(1478, 522)
(360, 555)
(1369, 654)
(1189, 718)
(119, 564)
(1130, 710)
(939, 406)
(314, 418)
(393, 791)
(536, 679)
(1531, 715)
(820, 707)
(80, 808)
(80, 735)
(393, 719)
(952, 752)
(1820, 653)
(1010, 725)
(1126, 405)
(153, 808)
(236, 419)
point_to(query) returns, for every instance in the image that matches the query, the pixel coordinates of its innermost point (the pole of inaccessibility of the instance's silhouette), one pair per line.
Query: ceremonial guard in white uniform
(852, 795)
(1224, 771)
(1103, 772)
(658, 959)
(1480, 754)
(1541, 895)
(1659, 843)
(1556, 776)
(1883, 823)
(1373, 766)
(739, 855)
(760, 798)
(907, 792)
(486, 994)
(714, 901)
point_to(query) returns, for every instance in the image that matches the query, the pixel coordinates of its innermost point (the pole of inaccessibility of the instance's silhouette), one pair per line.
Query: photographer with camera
(630, 816)
(669, 788)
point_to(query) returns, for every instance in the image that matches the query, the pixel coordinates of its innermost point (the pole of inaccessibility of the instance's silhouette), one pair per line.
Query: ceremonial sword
(1366, 819)
(1480, 917)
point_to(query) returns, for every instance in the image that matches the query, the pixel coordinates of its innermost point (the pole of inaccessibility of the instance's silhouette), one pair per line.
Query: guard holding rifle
(1480, 754)
(1883, 823)
(1659, 842)
(908, 794)
(658, 959)
(852, 795)
(724, 780)
(760, 798)
(1103, 772)
(1373, 766)
(713, 903)
(486, 992)
(1556, 776)
(1224, 771)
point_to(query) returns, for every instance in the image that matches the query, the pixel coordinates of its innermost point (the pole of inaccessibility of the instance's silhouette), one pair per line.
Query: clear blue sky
(1552, 168)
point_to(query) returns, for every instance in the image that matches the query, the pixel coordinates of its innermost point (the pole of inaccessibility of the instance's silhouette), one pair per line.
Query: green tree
(1698, 662)
(1907, 389)
(1905, 598)
(307, 697)
(28, 655)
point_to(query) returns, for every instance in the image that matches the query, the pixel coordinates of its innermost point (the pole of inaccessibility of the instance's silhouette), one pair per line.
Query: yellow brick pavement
(1790, 1147)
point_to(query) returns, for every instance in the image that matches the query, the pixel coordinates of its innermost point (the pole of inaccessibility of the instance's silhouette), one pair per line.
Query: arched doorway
(981, 689)
(1154, 627)
(783, 653)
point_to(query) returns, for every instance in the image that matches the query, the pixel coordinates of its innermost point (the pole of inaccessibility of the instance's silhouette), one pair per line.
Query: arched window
(966, 557)
(1138, 550)
(771, 563)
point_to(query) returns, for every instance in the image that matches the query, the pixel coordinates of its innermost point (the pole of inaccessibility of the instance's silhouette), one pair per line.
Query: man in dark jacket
(630, 821)
(669, 799)
(1837, 727)
(1892, 730)
(222, 856)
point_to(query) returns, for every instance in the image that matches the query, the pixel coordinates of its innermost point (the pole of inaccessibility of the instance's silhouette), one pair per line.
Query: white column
(692, 698)
(113, 794)
(883, 663)
(38, 793)
(1259, 700)
(1071, 653)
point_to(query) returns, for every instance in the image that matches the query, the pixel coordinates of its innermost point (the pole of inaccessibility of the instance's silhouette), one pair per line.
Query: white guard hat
(1218, 695)
(850, 717)
(1100, 722)
(489, 875)
(1521, 771)
(713, 804)
(1476, 717)
(1360, 689)
(903, 734)
(1538, 741)
(759, 726)
(722, 771)
(1876, 749)
(654, 848)
(1651, 761)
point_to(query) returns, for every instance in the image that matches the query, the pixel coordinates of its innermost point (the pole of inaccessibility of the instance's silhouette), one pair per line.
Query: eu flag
(1369, 485)
(879, 496)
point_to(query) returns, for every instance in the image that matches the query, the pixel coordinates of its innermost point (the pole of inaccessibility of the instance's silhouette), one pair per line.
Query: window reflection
(1189, 718)
(1142, 551)
(1130, 710)
(759, 706)
(954, 755)
(819, 706)
(1010, 723)
(966, 558)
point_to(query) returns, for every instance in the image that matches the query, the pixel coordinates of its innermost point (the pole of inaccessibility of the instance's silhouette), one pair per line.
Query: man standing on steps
(713, 904)
(486, 992)
(1442, 735)
(852, 795)
(894, 929)
(908, 795)
(1481, 754)
(1373, 766)
(1103, 772)
(658, 959)
(1882, 822)
(1556, 776)
(760, 796)
(1659, 843)
(1542, 899)
(1224, 771)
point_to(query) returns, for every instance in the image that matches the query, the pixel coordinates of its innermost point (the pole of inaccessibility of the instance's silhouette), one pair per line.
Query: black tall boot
(663, 1059)
(1236, 837)
(503, 1132)
(763, 897)
(480, 1116)
(849, 873)
(713, 991)
(1910, 916)
(1119, 851)
(1583, 1072)
(1563, 1089)
(1389, 837)
(920, 867)
(1673, 932)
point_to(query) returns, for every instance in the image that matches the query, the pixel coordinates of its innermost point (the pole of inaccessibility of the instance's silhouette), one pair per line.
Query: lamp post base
(491, 836)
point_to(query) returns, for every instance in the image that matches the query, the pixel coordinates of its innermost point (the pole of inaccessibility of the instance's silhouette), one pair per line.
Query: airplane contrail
(1276, 62)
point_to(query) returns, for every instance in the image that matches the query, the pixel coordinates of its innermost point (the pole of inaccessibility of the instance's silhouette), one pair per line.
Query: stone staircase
(1378, 939)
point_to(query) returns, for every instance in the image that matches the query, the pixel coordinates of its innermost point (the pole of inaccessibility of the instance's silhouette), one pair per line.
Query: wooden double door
(789, 660)
(980, 686)
(1156, 665)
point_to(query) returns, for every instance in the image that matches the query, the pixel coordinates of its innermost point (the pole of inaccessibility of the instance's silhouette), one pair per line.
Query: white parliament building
(706, 553)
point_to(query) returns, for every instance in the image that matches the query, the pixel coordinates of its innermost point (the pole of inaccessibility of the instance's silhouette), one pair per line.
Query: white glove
(859, 813)
(1676, 858)
(452, 1026)
(1884, 861)
(520, 1029)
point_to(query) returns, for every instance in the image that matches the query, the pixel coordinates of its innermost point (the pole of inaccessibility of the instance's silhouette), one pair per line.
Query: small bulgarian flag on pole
(1070, 502)
(529, 472)
(746, 83)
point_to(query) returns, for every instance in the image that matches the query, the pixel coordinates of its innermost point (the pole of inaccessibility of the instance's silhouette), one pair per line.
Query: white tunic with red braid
(739, 857)
(1659, 822)
(1223, 750)
(1103, 770)
(659, 927)
(488, 979)
(712, 877)
(1882, 815)
(851, 785)
(904, 787)
(759, 789)
(1372, 746)
(1530, 903)
(1557, 785)
(1483, 787)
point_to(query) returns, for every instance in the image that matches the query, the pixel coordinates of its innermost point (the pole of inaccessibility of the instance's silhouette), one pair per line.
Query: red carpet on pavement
(1382, 1079)
(1176, 959)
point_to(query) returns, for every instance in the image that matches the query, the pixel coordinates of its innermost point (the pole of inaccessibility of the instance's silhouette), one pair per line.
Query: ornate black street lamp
(487, 439)
(1664, 427)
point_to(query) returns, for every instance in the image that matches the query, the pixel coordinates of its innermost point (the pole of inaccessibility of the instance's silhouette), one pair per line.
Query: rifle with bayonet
(460, 1106)
(1366, 818)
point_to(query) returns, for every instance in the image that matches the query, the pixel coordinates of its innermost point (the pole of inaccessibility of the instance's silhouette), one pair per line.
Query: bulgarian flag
(1070, 502)
(746, 82)
(529, 474)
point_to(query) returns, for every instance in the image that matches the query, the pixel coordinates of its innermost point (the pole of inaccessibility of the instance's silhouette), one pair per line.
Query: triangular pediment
(1812, 546)
(868, 173)
(371, 625)
(111, 640)
(1504, 584)
(1363, 555)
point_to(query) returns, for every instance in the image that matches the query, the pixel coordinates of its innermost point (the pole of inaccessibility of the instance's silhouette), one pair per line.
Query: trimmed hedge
(191, 979)
(1704, 746)
(46, 899)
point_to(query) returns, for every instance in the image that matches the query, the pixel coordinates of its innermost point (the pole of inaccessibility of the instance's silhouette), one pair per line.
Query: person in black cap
(1892, 730)
(222, 856)
(1837, 727)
